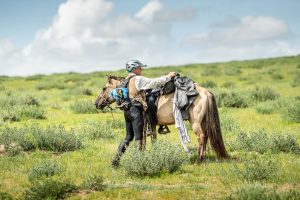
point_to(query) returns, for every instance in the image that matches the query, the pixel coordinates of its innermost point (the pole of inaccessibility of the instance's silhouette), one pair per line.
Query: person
(134, 118)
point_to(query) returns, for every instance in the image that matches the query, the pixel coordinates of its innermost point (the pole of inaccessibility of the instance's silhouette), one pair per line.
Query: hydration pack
(121, 95)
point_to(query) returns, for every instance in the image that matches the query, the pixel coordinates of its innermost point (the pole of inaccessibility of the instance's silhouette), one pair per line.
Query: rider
(134, 116)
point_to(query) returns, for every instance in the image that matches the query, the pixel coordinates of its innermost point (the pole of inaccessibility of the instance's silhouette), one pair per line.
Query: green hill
(53, 140)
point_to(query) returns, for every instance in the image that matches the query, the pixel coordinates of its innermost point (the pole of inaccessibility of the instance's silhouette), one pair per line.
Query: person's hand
(172, 74)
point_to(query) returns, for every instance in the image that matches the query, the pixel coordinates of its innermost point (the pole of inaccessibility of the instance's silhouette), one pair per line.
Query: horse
(203, 115)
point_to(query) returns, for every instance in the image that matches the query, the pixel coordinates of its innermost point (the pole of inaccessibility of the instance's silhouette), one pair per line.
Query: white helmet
(130, 65)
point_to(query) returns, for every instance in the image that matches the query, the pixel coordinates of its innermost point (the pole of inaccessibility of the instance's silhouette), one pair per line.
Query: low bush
(260, 142)
(277, 77)
(97, 130)
(16, 106)
(83, 107)
(208, 84)
(257, 169)
(292, 112)
(58, 139)
(161, 157)
(87, 91)
(52, 138)
(263, 94)
(284, 143)
(49, 189)
(231, 99)
(265, 108)
(259, 192)
(51, 85)
(211, 71)
(44, 169)
(296, 81)
(14, 149)
(228, 85)
(93, 182)
(232, 71)
(5, 196)
(228, 123)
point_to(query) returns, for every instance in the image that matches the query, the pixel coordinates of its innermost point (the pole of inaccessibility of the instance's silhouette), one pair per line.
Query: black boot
(121, 149)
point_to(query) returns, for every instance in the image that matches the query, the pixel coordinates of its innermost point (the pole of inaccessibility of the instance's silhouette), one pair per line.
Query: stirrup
(163, 129)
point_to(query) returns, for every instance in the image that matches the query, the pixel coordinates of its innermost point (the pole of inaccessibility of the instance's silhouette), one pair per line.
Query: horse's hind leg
(202, 140)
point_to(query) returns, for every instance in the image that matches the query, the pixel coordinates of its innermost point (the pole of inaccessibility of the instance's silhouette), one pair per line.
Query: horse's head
(104, 99)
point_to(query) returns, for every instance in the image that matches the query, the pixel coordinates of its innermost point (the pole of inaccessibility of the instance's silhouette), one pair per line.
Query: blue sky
(87, 35)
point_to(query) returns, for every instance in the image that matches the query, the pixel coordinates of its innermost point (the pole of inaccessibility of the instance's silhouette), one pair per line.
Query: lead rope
(111, 111)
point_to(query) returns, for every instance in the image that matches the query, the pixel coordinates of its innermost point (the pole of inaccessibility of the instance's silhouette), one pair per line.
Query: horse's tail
(213, 128)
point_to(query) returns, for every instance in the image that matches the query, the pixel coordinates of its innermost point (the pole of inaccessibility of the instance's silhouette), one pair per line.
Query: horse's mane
(119, 78)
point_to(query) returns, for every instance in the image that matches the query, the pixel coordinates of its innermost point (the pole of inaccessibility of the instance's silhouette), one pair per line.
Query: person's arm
(143, 83)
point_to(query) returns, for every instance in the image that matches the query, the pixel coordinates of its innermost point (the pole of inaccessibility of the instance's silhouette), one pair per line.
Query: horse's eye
(104, 88)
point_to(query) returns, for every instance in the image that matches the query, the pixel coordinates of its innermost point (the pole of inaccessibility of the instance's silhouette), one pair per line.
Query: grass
(259, 112)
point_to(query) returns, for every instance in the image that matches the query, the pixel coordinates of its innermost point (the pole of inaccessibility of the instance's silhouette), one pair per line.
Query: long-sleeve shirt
(143, 83)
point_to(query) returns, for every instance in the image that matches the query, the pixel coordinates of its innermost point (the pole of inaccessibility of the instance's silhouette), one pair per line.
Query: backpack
(121, 95)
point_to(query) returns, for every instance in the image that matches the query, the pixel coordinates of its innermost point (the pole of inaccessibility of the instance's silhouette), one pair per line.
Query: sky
(54, 36)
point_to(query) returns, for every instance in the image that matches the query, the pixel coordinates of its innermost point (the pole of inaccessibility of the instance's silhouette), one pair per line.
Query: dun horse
(204, 116)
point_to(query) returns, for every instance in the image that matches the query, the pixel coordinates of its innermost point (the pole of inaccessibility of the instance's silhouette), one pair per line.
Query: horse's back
(165, 107)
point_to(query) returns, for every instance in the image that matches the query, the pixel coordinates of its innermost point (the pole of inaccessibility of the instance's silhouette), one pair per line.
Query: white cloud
(246, 38)
(87, 35)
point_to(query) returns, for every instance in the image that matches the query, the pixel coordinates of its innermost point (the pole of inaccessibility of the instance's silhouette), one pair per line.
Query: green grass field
(52, 119)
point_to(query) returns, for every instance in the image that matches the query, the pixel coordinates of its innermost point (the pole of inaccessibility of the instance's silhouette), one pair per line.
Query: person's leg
(123, 145)
(137, 124)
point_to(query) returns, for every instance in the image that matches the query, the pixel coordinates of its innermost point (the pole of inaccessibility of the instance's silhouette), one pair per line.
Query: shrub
(97, 130)
(296, 80)
(162, 156)
(284, 143)
(232, 71)
(208, 84)
(49, 189)
(5, 196)
(83, 107)
(94, 182)
(265, 108)
(231, 99)
(13, 149)
(263, 94)
(44, 169)
(228, 85)
(277, 77)
(53, 138)
(292, 112)
(258, 192)
(211, 71)
(257, 169)
(15, 106)
(57, 139)
(255, 141)
(50, 85)
(228, 124)
(87, 92)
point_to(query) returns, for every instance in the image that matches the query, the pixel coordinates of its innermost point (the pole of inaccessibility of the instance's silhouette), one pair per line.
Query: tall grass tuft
(93, 182)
